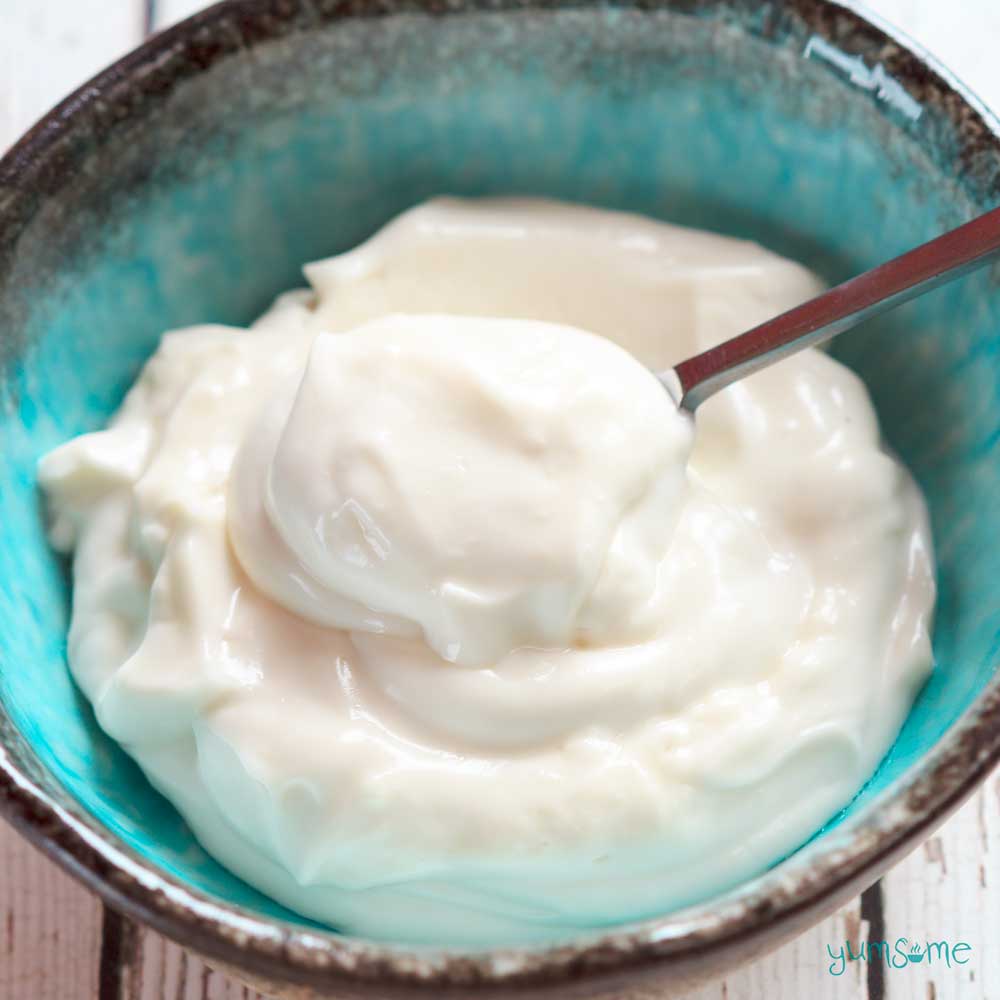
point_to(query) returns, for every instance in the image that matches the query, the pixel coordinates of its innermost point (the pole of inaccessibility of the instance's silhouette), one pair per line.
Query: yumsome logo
(899, 954)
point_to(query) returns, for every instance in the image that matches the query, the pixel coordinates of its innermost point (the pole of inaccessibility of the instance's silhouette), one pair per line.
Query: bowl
(191, 180)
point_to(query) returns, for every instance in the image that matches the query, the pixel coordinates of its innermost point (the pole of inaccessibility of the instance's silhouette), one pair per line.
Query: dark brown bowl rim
(284, 952)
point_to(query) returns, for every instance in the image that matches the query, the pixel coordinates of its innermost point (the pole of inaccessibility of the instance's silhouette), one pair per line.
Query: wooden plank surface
(50, 928)
(170, 11)
(58, 943)
(49, 47)
(950, 889)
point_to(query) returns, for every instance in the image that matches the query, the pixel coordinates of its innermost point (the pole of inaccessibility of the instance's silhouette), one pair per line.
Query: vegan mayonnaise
(439, 622)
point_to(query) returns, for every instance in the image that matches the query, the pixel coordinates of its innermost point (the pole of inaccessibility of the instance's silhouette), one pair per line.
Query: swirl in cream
(424, 605)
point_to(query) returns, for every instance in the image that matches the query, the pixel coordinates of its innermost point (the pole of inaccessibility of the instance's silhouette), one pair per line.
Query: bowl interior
(206, 203)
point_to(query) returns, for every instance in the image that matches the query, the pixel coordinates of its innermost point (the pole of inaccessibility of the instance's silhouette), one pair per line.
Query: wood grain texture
(949, 890)
(49, 47)
(171, 11)
(798, 970)
(167, 972)
(49, 928)
(58, 943)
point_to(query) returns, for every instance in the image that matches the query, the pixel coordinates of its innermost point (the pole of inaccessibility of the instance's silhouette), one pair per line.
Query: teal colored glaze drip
(680, 119)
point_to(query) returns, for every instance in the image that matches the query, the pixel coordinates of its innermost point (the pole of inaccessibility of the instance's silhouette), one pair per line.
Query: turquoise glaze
(253, 168)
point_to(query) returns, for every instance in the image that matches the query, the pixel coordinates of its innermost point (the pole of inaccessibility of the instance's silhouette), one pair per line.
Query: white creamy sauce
(438, 622)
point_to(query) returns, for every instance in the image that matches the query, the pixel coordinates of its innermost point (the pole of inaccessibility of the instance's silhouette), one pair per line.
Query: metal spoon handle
(818, 320)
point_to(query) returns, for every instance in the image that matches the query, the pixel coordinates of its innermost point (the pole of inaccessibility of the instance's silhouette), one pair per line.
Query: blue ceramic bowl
(190, 182)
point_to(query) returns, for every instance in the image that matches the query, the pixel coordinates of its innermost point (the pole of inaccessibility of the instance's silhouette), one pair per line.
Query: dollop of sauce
(483, 484)
(438, 622)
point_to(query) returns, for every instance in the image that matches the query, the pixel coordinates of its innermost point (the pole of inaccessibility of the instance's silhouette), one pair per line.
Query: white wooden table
(57, 942)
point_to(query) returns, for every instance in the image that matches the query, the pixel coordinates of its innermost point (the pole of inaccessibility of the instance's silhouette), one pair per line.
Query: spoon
(820, 319)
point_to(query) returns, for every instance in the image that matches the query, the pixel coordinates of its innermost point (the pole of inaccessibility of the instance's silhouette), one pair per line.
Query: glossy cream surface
(439, 623)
